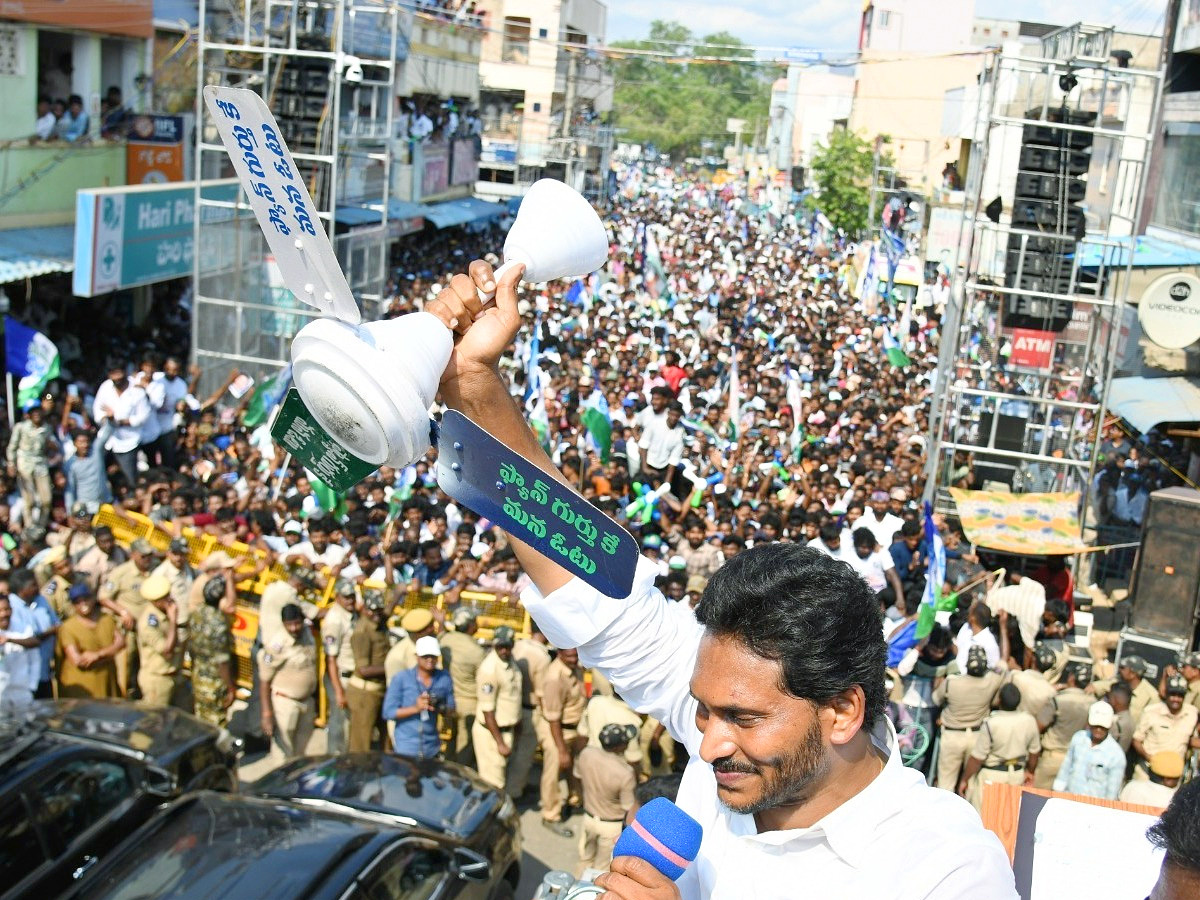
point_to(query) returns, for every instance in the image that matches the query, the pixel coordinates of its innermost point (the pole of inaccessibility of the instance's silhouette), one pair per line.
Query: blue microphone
(663, 835)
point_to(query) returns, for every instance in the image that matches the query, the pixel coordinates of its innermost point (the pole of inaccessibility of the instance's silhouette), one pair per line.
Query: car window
(20, 851)
(78, 795)
(411, 872)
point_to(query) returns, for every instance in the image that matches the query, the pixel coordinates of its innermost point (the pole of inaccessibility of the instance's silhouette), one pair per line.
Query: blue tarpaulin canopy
(28, 252)
(462, 211)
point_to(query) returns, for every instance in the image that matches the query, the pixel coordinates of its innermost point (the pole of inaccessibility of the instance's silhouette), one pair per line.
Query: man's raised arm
(473, 385)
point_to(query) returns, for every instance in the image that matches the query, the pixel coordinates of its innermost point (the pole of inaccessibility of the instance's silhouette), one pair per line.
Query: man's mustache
(729, 766)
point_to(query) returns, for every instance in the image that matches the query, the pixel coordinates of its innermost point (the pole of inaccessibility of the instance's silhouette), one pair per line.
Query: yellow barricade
(129, 526)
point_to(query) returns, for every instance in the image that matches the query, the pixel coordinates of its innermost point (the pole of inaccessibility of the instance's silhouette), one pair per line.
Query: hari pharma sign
(139, 234)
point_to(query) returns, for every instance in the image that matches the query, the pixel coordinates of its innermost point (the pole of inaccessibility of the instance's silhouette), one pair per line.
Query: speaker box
(1010, 432)
(1158, 652)
(1166, 581)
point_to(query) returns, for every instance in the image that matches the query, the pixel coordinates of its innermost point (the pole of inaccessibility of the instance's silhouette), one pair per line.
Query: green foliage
(841, 171)
(676, 105)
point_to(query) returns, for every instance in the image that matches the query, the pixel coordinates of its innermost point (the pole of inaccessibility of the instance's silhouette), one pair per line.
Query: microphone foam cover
(663, 835)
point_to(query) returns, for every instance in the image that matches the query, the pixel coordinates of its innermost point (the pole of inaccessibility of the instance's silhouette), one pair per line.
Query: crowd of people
(747, 399)
(67, 120)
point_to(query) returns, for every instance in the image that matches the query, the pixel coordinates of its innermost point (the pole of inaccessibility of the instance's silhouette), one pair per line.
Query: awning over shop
(462, 211)
(352, 216)
(1148, 252)
(1147, 402)
(28, 252)
(1034, 524)
(401, 209)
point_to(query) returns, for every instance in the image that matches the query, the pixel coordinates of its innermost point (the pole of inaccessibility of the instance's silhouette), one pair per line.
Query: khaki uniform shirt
(967, 699)
(1159, 730)
(1122, 729)
(499, 690)
(608, 783)
(1064, 715)
(1036, 692)
(181, 586)
(1007, 737)
(562, 695)
(369, 644)
(533, 659)
(605, 710)
(290, 665)
(124, 586)
(403, 655)
(78, 543)
(95, 565)
(275, 597)
(1144, 695)
(57, 592)
(336, 628)
(462, 656)
(153, 630)
(1193, 694)
(27, 446)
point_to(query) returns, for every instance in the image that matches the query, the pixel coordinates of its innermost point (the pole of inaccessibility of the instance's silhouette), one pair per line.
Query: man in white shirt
(44, 128)
(174, 391)
(318, 550)
(20, 661)
(126, 408)
(775, 686)
(881, 522)
(875, 566)
(976, 632)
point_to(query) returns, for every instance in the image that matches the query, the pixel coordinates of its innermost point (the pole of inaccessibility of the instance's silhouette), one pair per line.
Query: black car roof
(438, 795)
(208, 845)
(154, 732)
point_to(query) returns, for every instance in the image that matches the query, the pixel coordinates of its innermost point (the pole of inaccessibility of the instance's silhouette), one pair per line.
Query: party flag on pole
(32, 357)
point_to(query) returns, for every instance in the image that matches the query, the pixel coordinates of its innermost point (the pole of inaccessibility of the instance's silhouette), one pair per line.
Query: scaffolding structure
(1054, 184)
(327, 69)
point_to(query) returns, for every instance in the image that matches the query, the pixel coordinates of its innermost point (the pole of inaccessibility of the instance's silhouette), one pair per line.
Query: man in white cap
(1094, 765)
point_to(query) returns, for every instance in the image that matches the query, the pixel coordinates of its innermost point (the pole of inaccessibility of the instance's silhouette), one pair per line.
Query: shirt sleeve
(1063, 778)
(394, 698)
(983, 743)
(486, 689)
(645, 645)
(445, 687)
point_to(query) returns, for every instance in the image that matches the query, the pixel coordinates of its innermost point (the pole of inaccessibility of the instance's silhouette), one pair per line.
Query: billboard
(135, 235)
(464, 164)
(435, 169)
(133, 18)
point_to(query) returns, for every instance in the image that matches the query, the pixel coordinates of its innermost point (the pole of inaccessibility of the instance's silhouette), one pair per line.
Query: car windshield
(217, 849)
(432, 794)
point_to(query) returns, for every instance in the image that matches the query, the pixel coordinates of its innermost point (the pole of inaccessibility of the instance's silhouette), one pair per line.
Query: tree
(680, 99)
(841, 171)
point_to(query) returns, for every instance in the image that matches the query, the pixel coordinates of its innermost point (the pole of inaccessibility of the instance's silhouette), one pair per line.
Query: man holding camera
(415, 697)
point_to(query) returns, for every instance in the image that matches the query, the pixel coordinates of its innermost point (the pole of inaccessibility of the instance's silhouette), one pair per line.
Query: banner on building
(154, 150)
(464, 162)
(435, 169)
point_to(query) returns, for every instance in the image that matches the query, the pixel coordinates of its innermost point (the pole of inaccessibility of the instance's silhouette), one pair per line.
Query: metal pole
(1152, 174)
(12, 414)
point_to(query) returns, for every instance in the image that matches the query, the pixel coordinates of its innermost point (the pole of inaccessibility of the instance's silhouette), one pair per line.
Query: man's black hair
(863, 537)
(658, 786)
(1178, 831)
(1010, 697)
(910, 529)
(810, 612)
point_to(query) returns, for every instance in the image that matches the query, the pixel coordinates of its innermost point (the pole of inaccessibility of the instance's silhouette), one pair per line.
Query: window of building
(1177, 205)
(885, 19)
(571, 36)
(543, 33)
(515, 48)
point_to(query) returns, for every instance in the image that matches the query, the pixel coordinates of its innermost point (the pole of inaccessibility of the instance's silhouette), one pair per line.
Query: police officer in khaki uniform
(121, 595)
(276, 596)
(498, 705)
(287, 670)
(1006, 750)
(462, 656)
(605, 708)
(77, 539)
(563, 703)
(57, 588)
(966, 700)
(1035, 690)
(1132, 670)
(157, 640)
(98, 563)
(364, 689)
(607, 781)
(179, 572)
(1190, 667)
(1166, 726)
(336, 628)
(532, 657)
(1059, 719)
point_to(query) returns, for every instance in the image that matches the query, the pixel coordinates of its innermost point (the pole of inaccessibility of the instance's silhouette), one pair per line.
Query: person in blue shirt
(432, 567)
(74, 124)
(45, 622)
(414, 699)
(1095, 763)
(910, 553)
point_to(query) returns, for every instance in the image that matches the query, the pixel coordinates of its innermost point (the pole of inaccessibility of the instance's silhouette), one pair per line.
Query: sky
(833, 24)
